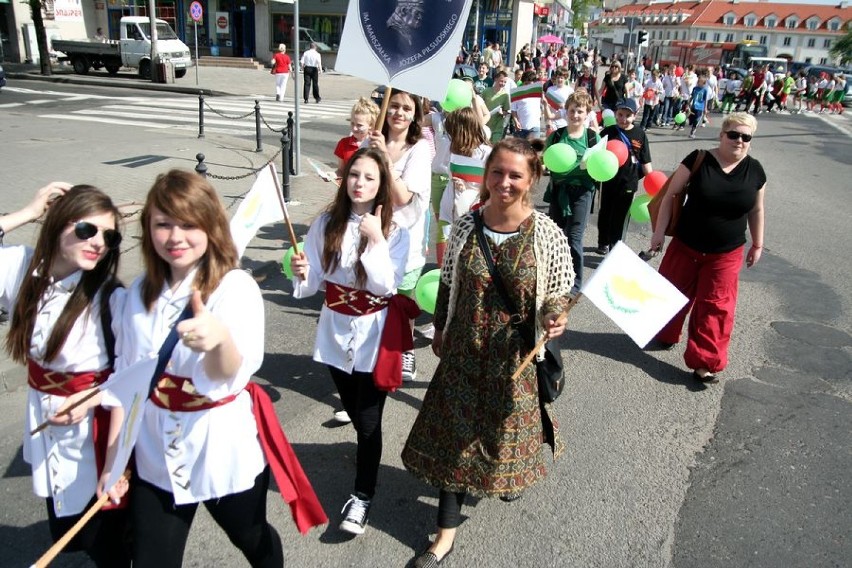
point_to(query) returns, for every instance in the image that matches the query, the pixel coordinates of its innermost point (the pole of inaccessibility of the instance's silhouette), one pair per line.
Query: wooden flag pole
(380, 120)
(286, 212)
(529, 358)
(57, 547)
(46, 423)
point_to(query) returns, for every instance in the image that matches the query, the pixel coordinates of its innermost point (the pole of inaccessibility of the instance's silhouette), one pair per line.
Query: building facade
(798, 32)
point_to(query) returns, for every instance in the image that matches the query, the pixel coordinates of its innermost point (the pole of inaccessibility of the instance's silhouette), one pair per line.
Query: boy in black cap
(617, 193)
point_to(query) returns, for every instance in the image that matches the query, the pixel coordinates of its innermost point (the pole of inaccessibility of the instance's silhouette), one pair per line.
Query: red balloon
(654, 181)
(599, 116)
(618, 148)
(678, 71)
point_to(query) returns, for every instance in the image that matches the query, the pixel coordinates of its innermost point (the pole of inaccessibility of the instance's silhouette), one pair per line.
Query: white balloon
(606, 113)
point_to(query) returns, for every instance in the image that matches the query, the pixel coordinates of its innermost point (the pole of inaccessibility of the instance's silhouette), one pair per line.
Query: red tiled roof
(712, 12)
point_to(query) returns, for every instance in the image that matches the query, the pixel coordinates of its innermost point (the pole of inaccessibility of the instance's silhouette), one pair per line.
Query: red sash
(179, 394)
(396, 336)
(65, 384)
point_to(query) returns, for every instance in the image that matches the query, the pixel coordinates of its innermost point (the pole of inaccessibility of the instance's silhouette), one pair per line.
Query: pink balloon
(618, 148)
(654, 181)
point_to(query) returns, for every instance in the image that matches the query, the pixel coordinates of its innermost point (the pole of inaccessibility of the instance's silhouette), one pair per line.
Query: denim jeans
(573, 225)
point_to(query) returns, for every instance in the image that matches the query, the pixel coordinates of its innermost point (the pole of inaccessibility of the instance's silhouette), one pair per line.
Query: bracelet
(756, 246)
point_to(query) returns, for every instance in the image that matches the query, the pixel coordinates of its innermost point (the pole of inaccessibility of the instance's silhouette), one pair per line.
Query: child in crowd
(469, 150)
(634, 88)
(555, 98)
(362, 119)
(732, 87)
(651, 95)
(526, 109)
(617, 193)
(698, 104)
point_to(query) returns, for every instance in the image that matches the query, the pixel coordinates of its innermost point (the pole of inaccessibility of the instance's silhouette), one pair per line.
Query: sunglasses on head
(734, 135)
(84, 231)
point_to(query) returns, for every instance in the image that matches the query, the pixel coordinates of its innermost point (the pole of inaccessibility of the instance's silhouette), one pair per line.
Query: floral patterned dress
(478, 431)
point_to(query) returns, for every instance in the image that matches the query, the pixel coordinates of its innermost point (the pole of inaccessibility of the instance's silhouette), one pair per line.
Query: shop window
(324, 30)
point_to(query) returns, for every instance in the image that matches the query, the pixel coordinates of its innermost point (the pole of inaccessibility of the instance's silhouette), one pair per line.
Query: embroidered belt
(351, 301)
(62, 384)
(179, 394)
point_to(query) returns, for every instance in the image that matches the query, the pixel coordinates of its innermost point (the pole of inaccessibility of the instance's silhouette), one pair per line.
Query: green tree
(41, 36)
(843, 48)
(581, 9)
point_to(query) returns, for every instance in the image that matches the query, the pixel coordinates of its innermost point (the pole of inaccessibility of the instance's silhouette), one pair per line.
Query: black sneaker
(409, 366)
(355, 513)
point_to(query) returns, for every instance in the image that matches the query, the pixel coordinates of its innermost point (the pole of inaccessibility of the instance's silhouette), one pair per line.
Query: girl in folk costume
(358, 254)
(555, 97)
(469, 150)
(59, 296)
(206, 432)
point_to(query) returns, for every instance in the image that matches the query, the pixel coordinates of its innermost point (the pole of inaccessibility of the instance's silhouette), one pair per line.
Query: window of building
(668, 35)
(770, 22)
(702, 36)
(811, 42)
(749, 37)
(729, 37)
(750, 21)
(813, 24)
(787, 41)
(763, 40)
(729, 20)
(834, 25)
(827, 44)
(823, 60)
(809, 59)
(792, 23)
(717, 37)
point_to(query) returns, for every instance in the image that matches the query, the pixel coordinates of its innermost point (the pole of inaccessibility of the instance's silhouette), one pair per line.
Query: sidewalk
(216, 81)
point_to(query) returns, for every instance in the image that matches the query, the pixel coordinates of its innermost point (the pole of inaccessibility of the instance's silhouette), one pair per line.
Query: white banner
(397, 43)
(633, 295)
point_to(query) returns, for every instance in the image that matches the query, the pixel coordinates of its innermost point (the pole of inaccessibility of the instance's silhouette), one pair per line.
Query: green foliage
(582, 8)
(842, 48)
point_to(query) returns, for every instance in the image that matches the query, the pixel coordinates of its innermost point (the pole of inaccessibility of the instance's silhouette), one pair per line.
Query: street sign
(196, 11)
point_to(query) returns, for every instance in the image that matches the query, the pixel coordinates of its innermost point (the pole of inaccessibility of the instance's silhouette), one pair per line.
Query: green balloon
(285, 262)
(602, 165)
(426, 290)
(459, 95)
(560, 158)
(609, 121)
(639, 209)
(680, 118)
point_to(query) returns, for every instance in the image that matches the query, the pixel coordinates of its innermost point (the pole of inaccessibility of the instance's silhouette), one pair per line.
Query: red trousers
(710, 283)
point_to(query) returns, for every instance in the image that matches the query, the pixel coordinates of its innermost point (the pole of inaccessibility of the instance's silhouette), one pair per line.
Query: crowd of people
(482, 429)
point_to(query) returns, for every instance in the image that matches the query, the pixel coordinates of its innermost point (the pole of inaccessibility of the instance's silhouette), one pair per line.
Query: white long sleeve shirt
(209, 453)
(415, 169)
(351, 343)
(62, 457)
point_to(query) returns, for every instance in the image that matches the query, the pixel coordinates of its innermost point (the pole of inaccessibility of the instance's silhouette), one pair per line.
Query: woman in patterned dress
(478, 431)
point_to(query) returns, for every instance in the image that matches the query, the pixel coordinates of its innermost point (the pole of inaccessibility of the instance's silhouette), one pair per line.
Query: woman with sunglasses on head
(60, 295)
(202, 437)
(357, 254)
(705, 255)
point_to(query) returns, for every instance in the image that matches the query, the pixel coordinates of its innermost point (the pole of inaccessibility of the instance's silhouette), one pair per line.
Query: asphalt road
(658, 472)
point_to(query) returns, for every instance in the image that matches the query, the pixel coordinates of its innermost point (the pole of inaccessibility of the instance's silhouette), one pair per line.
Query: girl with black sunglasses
(60, 295)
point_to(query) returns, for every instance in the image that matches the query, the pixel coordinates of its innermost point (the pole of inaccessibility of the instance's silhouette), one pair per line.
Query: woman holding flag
(357, 253)
(207, 431)
(60, 295)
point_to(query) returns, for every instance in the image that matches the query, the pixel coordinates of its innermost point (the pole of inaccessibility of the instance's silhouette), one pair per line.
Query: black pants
(449, 509)
(365, 405)
(160, 528)
(104, 538)
(612, 218)
(311, 77)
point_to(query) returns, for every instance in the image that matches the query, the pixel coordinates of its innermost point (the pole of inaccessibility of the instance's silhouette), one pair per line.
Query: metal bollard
(200, 115)
(200, 167)
(290, 126)
(285, 165)
(257, 125)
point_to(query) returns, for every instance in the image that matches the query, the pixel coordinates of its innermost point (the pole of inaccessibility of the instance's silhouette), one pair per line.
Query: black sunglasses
(84, 231)
(734, 135)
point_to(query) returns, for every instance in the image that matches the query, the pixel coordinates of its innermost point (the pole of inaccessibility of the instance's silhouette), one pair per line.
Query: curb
(97, 82)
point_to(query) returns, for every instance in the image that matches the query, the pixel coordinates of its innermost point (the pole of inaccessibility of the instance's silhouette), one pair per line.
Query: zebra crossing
(230, 115)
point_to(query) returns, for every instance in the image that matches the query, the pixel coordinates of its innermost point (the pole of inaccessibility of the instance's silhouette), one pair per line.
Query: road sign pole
(195, 25)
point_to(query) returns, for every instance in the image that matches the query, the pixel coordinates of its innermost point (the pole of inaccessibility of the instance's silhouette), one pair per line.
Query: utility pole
(152, 17)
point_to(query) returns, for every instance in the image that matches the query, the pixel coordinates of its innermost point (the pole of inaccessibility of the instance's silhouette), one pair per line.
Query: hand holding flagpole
(531, 355)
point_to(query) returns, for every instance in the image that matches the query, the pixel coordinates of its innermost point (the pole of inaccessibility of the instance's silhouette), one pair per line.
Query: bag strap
(106, 318)
(167, 347)
(515, 317)
(699, 159)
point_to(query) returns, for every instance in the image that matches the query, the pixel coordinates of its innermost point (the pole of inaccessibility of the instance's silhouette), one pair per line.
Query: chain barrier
(273, 129)
(242, 116)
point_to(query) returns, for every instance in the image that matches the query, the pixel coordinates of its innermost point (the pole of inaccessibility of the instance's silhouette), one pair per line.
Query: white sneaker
(342, 417)
(428, 332)
(409, 366)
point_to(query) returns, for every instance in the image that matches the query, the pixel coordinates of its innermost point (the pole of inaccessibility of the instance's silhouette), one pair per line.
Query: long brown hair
(465, 131)
(415, 129)
(79, 202)
(341, 208)
(190, 198)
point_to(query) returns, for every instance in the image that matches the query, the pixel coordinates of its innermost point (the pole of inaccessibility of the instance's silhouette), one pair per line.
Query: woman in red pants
(704, 258)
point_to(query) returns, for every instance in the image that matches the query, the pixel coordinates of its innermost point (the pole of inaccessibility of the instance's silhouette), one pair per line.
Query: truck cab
(136, 45)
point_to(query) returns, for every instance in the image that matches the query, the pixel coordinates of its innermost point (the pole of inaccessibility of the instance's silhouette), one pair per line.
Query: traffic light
(643, 38)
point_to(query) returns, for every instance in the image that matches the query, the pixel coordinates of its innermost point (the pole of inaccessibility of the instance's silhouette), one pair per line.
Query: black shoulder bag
(549, 371)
